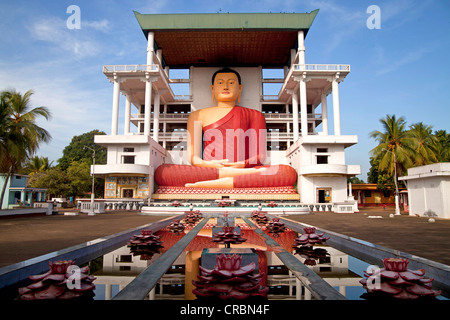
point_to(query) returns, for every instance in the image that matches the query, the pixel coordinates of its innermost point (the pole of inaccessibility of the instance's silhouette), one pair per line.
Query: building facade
(429, 190)
(18, 194)
(268, 50)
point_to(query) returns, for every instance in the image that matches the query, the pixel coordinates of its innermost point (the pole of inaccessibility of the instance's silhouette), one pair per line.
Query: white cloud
(405, 59)
(75, 106)
(102, 25)
(80, 43)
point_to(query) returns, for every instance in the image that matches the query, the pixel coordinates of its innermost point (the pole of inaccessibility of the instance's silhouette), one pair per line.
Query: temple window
(322, 159)
(128, 159)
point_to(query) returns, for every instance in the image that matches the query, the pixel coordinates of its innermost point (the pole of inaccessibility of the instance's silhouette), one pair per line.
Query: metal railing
(321, 67)
(131, 68)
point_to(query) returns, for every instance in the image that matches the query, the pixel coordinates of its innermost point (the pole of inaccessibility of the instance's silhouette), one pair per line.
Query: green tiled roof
(226, 21)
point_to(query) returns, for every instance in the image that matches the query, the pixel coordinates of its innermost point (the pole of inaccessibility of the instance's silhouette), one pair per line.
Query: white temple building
(257, 45)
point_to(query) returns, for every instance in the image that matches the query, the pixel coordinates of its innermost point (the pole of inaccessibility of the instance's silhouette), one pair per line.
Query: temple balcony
(330, 169)
(111, 169)
(319, 77)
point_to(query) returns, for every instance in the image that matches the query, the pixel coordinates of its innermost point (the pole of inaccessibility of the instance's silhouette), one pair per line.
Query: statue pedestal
(208, 258)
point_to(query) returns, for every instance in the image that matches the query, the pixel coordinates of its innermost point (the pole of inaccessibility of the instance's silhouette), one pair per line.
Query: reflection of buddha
(234, 149)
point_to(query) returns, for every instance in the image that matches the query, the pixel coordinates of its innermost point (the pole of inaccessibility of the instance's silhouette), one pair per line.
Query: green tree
(425, 144)
(36, 164)
(80, 180)
(54, 180)
(395, 146)
(442, 150)
(20, 136)
(382, 178)
(75, 151)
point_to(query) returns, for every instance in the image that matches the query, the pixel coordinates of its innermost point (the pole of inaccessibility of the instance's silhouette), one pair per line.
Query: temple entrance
(128, 193)
(324, 195)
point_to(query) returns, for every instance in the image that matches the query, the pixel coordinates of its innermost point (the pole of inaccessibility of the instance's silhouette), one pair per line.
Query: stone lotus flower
(395, 280)
(192, 217)
(272, 204)
(54, 283)
(276, 227)
(223, 204)
(228, 236)
(260, 218)
(311, 255)
(229, 280)
(310, 238)
(176, 227)
(145, 244)
(175, 203)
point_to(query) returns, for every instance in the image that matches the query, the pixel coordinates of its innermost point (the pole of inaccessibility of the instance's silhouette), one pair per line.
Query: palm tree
(20, 136)
(395, 142)
(425, 144)
(394, 150)
(37, 164)
(442, 150)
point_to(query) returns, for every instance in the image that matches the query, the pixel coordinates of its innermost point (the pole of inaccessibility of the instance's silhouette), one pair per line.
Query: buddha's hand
(213, 163)
(238, 164)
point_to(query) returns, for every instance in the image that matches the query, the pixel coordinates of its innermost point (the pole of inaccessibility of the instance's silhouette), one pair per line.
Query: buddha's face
(226, 87)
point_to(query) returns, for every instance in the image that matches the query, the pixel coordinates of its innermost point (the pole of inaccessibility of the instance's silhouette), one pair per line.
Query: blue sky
(401, 68)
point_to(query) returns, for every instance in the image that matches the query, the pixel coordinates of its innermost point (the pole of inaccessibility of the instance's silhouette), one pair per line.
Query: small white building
(255, 45)
(429, 189)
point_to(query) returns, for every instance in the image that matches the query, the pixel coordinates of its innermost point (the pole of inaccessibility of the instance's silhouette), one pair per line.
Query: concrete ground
(22, 238)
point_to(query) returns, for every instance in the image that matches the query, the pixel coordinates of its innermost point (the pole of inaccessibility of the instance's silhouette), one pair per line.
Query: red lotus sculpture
(145, 244)
(260, 218)
(228, 236)
(310, 238)
(62, 281)
(272, 204)
(395, 280)
(276, 227)
(175, 204)
(223, 203)
(229, 280)
(311, 255)
(192, 217)
(176, 227)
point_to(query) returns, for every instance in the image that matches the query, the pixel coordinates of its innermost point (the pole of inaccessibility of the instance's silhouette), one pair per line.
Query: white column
(156, 104)
(127, 115)
(336, 109)
(150, 47)
(115, 110)
(324, 114)
(148, 105)
(301, 47)
(303, 107)
(295, 115)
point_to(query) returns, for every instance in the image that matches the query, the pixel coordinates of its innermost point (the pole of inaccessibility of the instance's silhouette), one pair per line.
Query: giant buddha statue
(226, 145)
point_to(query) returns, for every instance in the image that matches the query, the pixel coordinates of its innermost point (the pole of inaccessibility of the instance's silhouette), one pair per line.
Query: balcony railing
(267, 115)
(162, 116)
(321, 67)
(131, 68)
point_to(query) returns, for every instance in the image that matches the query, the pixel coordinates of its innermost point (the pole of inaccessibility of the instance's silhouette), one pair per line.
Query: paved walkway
(22, 238)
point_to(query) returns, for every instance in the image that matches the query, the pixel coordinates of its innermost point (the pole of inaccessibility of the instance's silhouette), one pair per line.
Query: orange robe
(238, 136)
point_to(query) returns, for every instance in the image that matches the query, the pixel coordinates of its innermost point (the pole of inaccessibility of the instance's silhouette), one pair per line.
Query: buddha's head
(226, 85)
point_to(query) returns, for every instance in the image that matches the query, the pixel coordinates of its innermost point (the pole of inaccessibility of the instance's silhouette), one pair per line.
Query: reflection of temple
(120, 267)
(268, 50)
